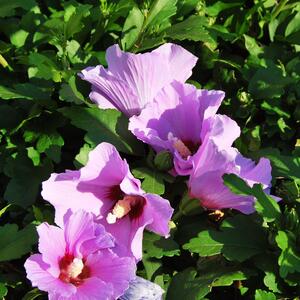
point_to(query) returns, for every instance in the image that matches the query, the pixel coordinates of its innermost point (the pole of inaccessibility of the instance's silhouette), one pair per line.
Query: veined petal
(38, 274)
(133, 80)
(52, 245)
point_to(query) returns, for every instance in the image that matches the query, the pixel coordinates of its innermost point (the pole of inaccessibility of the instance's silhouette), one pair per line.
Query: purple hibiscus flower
(78, 261)
(180, 120)
(106, 187)
(206, 183)
(133, 80)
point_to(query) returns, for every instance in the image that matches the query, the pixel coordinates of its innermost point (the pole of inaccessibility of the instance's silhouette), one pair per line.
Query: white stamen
(121, 209)
(75, 267)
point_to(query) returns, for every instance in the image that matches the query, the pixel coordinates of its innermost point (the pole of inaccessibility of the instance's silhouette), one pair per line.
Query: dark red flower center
(73, 270)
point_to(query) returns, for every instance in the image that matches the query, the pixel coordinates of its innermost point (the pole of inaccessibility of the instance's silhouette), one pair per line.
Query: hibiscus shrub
(149, 148)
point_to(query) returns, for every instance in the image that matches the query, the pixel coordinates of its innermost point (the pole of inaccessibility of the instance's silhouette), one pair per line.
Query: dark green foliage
(48, 124)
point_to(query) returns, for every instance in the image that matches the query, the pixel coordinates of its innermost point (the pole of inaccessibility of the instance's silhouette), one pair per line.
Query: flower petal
(52, 245)
(61, 190)
(37, 273)
(161, 212)
(110, 268)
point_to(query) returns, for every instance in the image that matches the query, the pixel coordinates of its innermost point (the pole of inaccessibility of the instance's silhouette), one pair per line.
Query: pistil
(182, 149)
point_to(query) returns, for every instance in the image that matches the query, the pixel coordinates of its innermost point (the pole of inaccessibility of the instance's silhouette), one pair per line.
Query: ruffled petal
(133, 80)
(222, 130)
(180, 60)
(112, 269)
(161, 212)
(61, 190)
(37, 273)
(52, 245)
(78, 228)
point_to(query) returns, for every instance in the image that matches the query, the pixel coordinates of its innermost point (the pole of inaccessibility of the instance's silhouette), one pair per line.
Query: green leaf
(237, 185)
(187, 285)
(7, 94)
(160, 11)
(239, 239)
(219, 6)
(18, 38)
(163, 161)
(264, 295)
(23, 188)
(4, 209)
(7, 8)
(3, 290)
(44, 67)
(104, 126)
(14, 244)
(153, 180)
(282, 165)
(251, 45)
(70, 93)
(268, 82)
(153, 269)
(268, 264)
(293, 26)
(34, 155)
(132, 28)
(33, 294)
(289, 260)
(192, 29)
(74, 23)
(265, 205)
(82, 157)
(157, 246)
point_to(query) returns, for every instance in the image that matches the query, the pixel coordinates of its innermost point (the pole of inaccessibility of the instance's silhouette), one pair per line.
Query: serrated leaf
(14, 243)
(289, 260)
(157, 246)
(239, 239)
(104, 126)
(264, 295)
(23, 188)
(187, 285)
(192, 29)
(153, 181)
